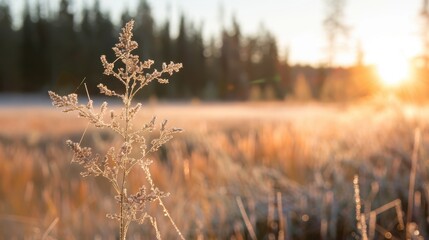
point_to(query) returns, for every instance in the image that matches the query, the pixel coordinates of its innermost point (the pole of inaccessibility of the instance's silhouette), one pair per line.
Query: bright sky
(385, 29)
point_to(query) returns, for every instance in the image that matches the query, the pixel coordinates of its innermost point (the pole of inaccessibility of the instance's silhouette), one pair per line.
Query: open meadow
(280, 120)
(238, 171)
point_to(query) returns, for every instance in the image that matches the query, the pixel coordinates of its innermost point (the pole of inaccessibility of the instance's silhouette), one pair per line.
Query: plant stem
(121, 234)
(414, 159)
(123, 228)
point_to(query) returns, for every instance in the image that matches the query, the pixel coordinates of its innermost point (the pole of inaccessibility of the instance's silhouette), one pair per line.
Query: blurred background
(282, 102)
(307, 50)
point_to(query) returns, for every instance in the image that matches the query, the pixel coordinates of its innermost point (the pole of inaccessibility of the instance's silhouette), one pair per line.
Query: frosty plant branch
(117, 163)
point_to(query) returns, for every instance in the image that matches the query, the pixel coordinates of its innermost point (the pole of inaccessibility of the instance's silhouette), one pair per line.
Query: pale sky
(385, 29)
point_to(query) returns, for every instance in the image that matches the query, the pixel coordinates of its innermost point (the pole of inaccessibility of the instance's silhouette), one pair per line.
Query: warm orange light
(393, 72)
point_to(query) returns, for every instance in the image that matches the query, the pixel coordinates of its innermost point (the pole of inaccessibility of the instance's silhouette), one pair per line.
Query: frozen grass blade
(413, 172)
(246, 218)
(50, 228)
(282, 222)
(360, 217)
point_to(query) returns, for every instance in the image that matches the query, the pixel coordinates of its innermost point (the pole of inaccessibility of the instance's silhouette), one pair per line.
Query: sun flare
(393, 72)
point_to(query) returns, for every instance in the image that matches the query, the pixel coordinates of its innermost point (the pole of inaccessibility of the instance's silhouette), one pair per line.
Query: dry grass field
(240, 170)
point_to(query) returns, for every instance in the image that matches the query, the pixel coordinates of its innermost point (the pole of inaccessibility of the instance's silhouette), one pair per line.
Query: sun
(393, 72)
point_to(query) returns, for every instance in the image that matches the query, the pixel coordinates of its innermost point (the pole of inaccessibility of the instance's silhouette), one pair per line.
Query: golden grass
(307, 155)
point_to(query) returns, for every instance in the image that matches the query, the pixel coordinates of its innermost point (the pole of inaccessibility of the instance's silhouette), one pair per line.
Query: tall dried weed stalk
(117, 163)
(360, 216)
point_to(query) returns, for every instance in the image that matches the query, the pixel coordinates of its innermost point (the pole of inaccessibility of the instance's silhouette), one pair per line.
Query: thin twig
(360, 217)
(387, 206)
(167, 214)
(414, 159)
(51, 226)
(385, 233)
(372, 224)
(246, 218)
(281, 235)
(87, 92)
(80, 84)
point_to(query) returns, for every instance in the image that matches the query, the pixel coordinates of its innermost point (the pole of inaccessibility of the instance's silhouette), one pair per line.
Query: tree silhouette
(56, 51)
(261, 63)
(197, 74)
(335, 28)
(269, 64)
(87, 43)
(285, 76)
(144, 33)
(233, 83)
(30, 54)
(65, 48)
(8, 46)
(166, 55)
(43, 31)
(182, 55)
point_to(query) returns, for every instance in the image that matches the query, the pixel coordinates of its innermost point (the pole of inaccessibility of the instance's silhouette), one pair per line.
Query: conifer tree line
(52, 50)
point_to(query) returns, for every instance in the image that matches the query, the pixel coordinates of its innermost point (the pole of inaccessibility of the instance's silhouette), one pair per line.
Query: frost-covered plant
(117, 163)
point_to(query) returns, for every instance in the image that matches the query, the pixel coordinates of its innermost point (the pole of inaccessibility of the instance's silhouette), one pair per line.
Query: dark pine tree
(234, 83)
(196, 75)
(182, 83)
(88, 59)
(9, 74)
(285, 71)
(269, 64)
(44, 51)
(213, 71)
(64, 58)
(166, 55)
(145, 36)
(103, 40)
(29, 55)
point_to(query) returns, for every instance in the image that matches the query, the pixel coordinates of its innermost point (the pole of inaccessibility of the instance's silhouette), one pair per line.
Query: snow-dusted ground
(35, 113)
(23, 100)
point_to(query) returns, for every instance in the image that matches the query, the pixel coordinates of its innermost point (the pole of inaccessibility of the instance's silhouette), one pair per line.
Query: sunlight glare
(393, 72)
